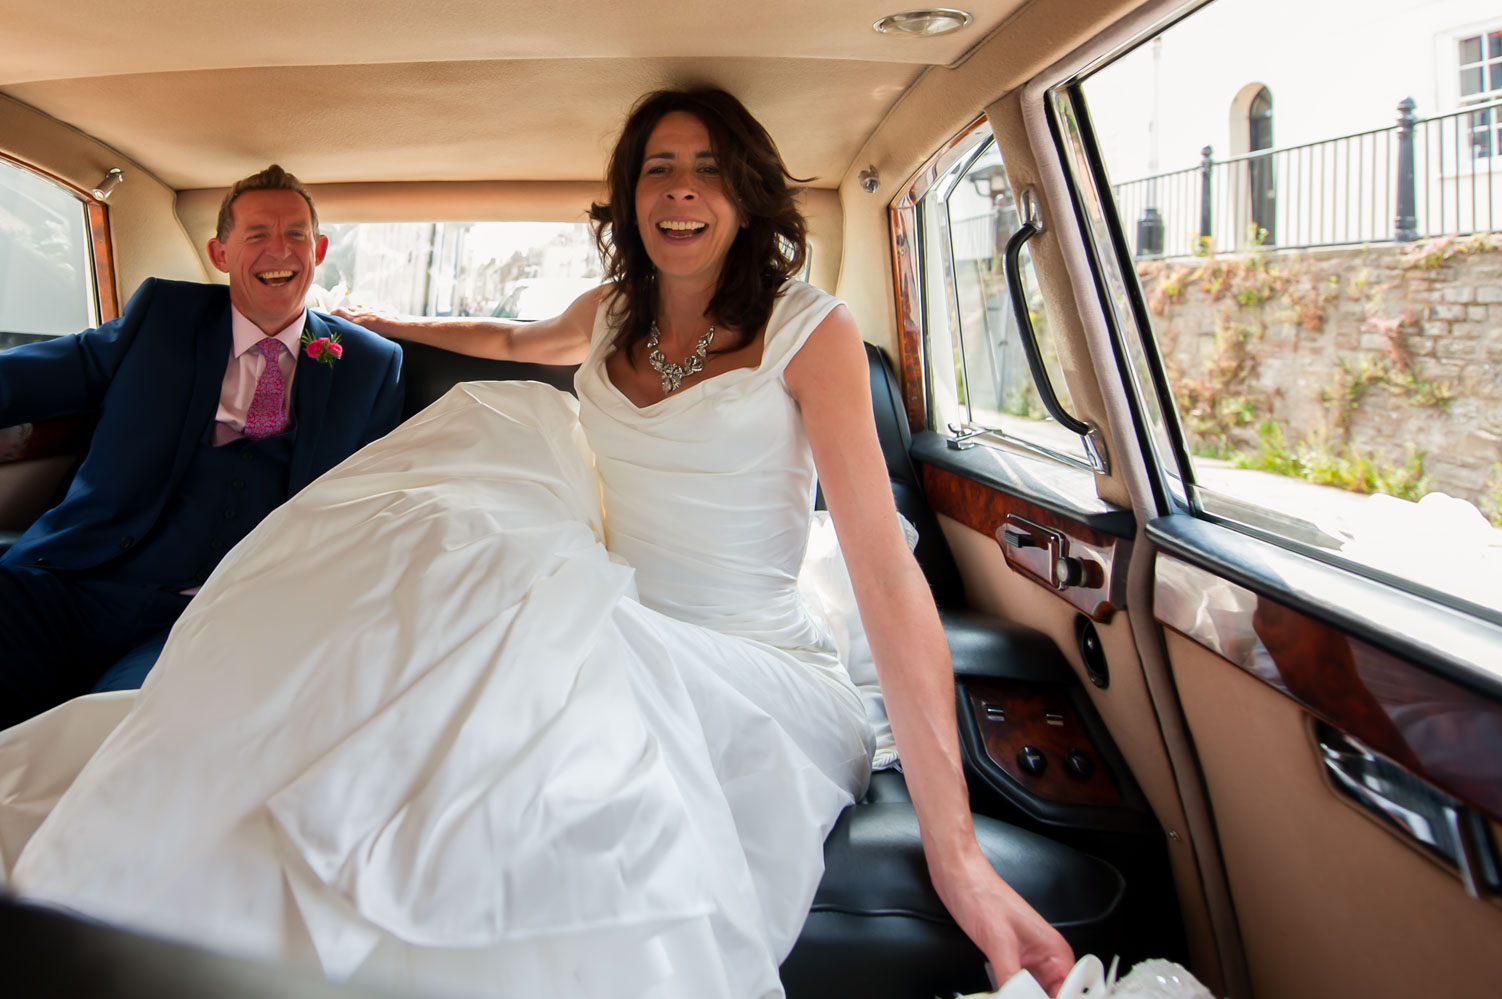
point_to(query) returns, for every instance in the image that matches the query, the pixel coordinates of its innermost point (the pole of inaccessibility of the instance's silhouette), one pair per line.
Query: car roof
(380, 90)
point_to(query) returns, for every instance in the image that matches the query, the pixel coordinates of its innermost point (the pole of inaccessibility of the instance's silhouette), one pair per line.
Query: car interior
(1186, 735)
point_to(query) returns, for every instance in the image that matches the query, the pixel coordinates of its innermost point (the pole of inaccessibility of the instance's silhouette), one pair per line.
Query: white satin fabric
(488, 755)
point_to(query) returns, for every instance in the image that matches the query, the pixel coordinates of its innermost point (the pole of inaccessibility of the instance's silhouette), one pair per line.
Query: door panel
(1329, 902)
(1331, 898)
(1125, 707)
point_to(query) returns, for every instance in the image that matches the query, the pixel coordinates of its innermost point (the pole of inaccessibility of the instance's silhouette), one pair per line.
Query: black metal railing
(1420, 177)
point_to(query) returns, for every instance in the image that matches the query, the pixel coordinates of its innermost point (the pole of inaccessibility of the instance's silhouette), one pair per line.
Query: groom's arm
(68, 374)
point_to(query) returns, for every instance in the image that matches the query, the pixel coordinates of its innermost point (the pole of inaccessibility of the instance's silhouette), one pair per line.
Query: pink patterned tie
(266, 417)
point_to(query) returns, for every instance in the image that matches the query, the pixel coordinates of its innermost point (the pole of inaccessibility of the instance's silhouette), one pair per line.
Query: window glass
(511, 270)
(1481, 83)
(1324, 314)
(46, 268)
(977, 372)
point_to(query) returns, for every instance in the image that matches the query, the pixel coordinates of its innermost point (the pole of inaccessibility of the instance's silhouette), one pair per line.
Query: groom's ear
(220, 258)
(319, 248)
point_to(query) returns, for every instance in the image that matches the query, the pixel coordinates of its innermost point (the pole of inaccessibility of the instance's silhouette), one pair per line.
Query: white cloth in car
(825, 583)
(487, 756)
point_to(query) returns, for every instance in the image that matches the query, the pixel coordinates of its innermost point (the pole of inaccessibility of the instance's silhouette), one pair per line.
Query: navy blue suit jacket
(154, 377)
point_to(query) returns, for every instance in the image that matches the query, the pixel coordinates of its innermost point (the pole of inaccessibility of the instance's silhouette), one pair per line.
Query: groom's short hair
(273, 178)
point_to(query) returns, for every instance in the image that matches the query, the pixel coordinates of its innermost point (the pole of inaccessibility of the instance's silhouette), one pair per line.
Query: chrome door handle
(1443, 825)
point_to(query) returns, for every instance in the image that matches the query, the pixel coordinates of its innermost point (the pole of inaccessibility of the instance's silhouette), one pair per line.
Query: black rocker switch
(1031, 759)
(1079, 765)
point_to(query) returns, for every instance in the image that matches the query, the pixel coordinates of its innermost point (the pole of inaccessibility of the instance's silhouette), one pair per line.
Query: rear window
(510, 270)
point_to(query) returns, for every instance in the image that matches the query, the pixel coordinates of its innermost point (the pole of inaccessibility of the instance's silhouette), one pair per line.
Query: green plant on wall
(1336, 463)
(1432, 254)
(1226, 405)
(1219, 402)
(1350, 383)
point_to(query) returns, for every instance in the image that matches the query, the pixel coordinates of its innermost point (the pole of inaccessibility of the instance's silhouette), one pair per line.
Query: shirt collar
(247, 334)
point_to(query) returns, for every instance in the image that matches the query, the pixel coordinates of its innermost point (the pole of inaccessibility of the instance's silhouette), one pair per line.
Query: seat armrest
(985, 646)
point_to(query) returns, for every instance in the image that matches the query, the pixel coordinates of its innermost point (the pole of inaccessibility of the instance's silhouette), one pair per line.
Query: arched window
(1261, 181)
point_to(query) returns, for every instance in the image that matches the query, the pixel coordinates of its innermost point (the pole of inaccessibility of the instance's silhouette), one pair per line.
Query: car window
(975, 369)
(46, 258)
(1313, 265)
(511, 270)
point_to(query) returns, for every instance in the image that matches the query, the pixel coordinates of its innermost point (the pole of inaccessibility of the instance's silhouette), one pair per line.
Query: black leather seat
(877, 928)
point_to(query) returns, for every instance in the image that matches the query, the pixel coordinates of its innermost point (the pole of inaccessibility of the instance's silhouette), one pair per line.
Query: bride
(522, 699)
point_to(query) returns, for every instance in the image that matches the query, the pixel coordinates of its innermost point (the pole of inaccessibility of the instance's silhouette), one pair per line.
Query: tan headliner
(467, 90)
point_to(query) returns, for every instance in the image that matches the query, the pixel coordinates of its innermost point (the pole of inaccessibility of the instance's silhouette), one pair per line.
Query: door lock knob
(1068, 571)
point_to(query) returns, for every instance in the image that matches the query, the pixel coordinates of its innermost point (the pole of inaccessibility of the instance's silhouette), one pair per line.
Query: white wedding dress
(441, 725)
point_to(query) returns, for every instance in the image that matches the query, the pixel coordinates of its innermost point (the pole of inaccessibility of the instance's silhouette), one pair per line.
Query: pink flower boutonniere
(324, 348)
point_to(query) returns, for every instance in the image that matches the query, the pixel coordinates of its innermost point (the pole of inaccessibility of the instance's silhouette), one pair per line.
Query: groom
(215, 405)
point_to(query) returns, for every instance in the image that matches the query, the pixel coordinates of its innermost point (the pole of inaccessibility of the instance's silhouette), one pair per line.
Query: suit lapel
(212, 339)
(311, 386)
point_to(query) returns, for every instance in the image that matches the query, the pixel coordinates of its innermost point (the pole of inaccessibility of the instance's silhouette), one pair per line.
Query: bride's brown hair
(768, 250)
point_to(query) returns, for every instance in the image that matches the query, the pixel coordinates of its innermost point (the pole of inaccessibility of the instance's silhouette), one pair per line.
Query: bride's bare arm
(828, 377)
(563, 339)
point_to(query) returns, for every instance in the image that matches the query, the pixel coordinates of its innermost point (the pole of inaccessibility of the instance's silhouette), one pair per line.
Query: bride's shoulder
(801, 295)
(799, 309)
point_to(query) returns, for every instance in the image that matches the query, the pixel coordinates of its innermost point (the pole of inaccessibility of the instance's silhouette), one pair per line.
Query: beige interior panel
(1329, 902)
(1124, 706)
(102, 42)
(147, 238)
(552, 119)
(473, 90)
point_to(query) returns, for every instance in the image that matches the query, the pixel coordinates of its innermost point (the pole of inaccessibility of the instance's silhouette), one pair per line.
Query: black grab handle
(1031, 228)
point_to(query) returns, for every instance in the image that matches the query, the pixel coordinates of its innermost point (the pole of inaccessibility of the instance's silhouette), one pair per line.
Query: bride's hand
(1007, 930)
(375, 320)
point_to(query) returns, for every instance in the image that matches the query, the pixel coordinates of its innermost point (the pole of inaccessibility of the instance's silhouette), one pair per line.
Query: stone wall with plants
(1375, 368)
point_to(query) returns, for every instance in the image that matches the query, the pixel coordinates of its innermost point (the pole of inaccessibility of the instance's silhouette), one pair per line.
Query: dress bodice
(708, 493)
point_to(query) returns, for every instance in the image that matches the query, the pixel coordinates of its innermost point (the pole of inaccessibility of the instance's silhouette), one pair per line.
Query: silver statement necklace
(673, 374)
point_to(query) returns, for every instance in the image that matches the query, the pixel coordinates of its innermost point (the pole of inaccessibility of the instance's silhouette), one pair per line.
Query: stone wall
(1388, 354)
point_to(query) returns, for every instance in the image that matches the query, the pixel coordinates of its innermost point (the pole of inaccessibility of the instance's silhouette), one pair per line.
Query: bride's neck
(681, 309)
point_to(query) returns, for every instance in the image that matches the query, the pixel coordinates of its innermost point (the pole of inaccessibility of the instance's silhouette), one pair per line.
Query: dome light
(924, 23)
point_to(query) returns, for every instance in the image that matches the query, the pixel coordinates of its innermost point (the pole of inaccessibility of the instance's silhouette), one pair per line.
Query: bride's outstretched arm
(563, 339)
(828, 377)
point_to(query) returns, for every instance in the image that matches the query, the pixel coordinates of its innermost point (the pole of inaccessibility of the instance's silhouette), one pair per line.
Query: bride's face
(686, 219)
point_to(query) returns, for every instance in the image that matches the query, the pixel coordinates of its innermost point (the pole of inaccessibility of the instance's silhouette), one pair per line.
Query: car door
(1315, 623)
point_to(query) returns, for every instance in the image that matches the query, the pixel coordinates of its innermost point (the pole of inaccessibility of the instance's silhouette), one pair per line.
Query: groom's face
(269, 256)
